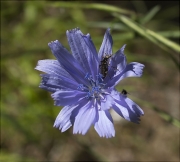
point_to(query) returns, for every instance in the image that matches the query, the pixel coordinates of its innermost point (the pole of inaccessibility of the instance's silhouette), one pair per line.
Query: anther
(81, 86)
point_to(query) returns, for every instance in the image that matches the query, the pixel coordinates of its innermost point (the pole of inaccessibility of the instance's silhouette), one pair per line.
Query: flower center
(95, 88)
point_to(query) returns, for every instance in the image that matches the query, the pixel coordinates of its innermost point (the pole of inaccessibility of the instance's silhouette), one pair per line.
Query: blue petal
(66, 126)
(127, 109)
(104, 124)
(81, 51)
(91, 55)
(90, 44)
(84, 119)
(63, 119)
(122, 111)
(57, 82)
(67, 97)
(134, 69)
(107, 102)
(106, 46)
(68, 62)
(119, 59)
(134, 107)
(48, 88)
(52, 67)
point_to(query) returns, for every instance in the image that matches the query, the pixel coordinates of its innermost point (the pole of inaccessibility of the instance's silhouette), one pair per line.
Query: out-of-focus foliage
(151, 32)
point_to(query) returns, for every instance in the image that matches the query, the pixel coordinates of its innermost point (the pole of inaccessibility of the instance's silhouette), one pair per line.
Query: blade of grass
(165, 44)
(163, 40)
(150, 15)
(172, 34)
(97, 6)
(106, 25)
(149, 34)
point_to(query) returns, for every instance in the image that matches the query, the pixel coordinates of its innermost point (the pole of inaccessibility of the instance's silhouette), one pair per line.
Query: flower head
(84, 83)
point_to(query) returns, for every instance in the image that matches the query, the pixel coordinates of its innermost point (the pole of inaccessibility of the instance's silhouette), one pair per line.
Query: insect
(104, 65)
(124, 92)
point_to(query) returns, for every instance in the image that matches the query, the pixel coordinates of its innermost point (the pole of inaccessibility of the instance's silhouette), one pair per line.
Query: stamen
(89, 94)
(100, 76)
(103, 98)
(81, 86)
(95, 89)
(88, 76)
(102, 84)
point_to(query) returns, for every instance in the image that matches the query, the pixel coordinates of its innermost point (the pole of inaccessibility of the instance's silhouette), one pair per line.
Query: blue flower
(84, 83)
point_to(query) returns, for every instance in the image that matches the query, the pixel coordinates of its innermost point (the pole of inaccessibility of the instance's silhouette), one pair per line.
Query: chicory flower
(84, 83)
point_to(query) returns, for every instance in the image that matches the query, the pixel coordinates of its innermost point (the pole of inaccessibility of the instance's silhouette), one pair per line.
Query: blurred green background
(151, 32)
